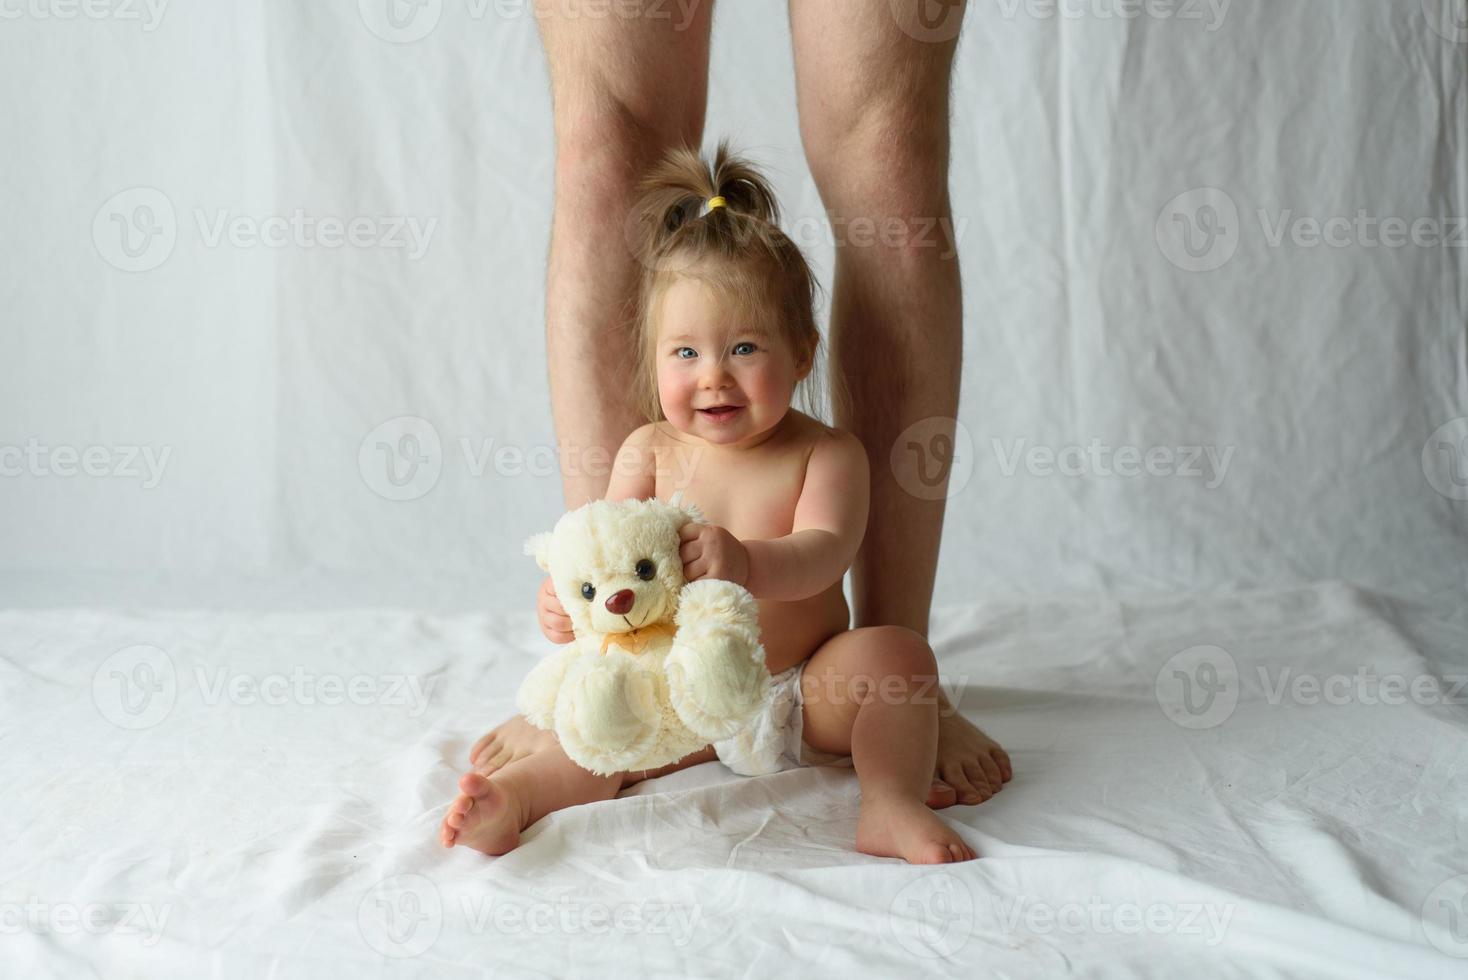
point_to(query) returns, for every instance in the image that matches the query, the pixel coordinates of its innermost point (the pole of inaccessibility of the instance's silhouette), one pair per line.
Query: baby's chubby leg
(490, 811)
(873, 693)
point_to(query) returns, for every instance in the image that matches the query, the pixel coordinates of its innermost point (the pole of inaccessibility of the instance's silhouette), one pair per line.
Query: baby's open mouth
(721, 411)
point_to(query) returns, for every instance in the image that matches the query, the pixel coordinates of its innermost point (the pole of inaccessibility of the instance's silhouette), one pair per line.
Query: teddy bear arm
(536, 699)
(716, 669)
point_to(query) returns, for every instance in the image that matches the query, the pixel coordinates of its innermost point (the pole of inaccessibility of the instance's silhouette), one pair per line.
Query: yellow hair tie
(717, 202)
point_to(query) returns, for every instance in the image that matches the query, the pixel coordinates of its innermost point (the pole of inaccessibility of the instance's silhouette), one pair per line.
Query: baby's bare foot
(508, 742)
(484, 816)
(907, 829)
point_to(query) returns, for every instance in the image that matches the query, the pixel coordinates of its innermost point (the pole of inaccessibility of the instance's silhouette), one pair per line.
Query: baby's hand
(709, 551)
(554, 622)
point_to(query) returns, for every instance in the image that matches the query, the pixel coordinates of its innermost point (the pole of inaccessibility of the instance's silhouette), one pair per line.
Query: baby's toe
(472, 784)
(448, 831)
(491, 761)
(487, 745)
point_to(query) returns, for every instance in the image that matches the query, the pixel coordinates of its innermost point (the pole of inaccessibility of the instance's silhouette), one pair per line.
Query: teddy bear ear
(538, 546)
(691, 509)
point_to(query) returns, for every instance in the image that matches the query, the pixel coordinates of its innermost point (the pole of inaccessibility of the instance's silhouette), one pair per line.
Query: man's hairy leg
(628, 81)
(873, 87)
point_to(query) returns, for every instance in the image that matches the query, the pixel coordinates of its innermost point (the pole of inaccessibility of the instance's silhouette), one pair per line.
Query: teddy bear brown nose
(620, 603)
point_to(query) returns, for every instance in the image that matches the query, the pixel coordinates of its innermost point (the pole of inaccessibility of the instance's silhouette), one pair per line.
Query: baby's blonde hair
(738, 250)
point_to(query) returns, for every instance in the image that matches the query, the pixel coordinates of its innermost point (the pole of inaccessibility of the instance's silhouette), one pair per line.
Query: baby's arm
(830, 521)
(634, 471)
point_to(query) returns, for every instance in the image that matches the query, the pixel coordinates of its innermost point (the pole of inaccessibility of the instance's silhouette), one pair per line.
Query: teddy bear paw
(716, 685)
(607, 715)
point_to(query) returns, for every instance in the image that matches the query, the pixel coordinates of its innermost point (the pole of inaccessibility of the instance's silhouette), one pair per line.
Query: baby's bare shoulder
(650, 439)
(813, 434)
(658, 435)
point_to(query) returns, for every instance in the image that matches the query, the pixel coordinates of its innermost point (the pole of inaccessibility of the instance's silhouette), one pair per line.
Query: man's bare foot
(941, 795)
(909, 830)
(483, 816)
(508, 742)
(968, 760)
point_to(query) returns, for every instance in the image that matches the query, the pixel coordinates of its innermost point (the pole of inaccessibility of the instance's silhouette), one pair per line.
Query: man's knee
(897, 153)
(605, 139)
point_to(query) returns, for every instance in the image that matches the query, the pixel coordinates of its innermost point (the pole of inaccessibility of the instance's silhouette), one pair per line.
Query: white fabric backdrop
(190, 417)
(1317, 373)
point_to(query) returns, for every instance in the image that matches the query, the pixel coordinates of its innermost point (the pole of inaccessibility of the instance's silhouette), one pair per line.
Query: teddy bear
(659, 667)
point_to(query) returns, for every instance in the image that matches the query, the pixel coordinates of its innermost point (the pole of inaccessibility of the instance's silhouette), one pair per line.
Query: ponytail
(673, 202)
(679, 228)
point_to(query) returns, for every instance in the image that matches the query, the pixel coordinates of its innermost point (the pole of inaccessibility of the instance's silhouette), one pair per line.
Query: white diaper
(773, 741)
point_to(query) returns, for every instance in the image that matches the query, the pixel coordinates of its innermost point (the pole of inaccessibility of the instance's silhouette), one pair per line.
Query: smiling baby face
(722, 377)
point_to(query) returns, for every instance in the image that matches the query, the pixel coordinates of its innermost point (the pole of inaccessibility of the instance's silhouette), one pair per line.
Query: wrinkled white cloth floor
(1229, 785)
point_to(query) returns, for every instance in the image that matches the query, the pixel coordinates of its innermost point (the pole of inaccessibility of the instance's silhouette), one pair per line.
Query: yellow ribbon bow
(634, 641)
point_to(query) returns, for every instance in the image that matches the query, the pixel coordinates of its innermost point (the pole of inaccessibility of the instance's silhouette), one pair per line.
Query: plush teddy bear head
(615, 565)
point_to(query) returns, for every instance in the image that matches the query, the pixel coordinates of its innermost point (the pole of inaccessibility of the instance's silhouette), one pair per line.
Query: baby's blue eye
(680, 350)
(739, 348)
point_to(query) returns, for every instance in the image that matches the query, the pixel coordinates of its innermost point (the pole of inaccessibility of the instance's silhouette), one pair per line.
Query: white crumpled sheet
(232, 839)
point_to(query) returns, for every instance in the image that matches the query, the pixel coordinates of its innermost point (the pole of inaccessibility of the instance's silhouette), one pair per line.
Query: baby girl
(725, 332)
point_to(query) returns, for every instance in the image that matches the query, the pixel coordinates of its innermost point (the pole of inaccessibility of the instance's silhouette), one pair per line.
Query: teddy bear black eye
(646, 570)
(588, 591)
